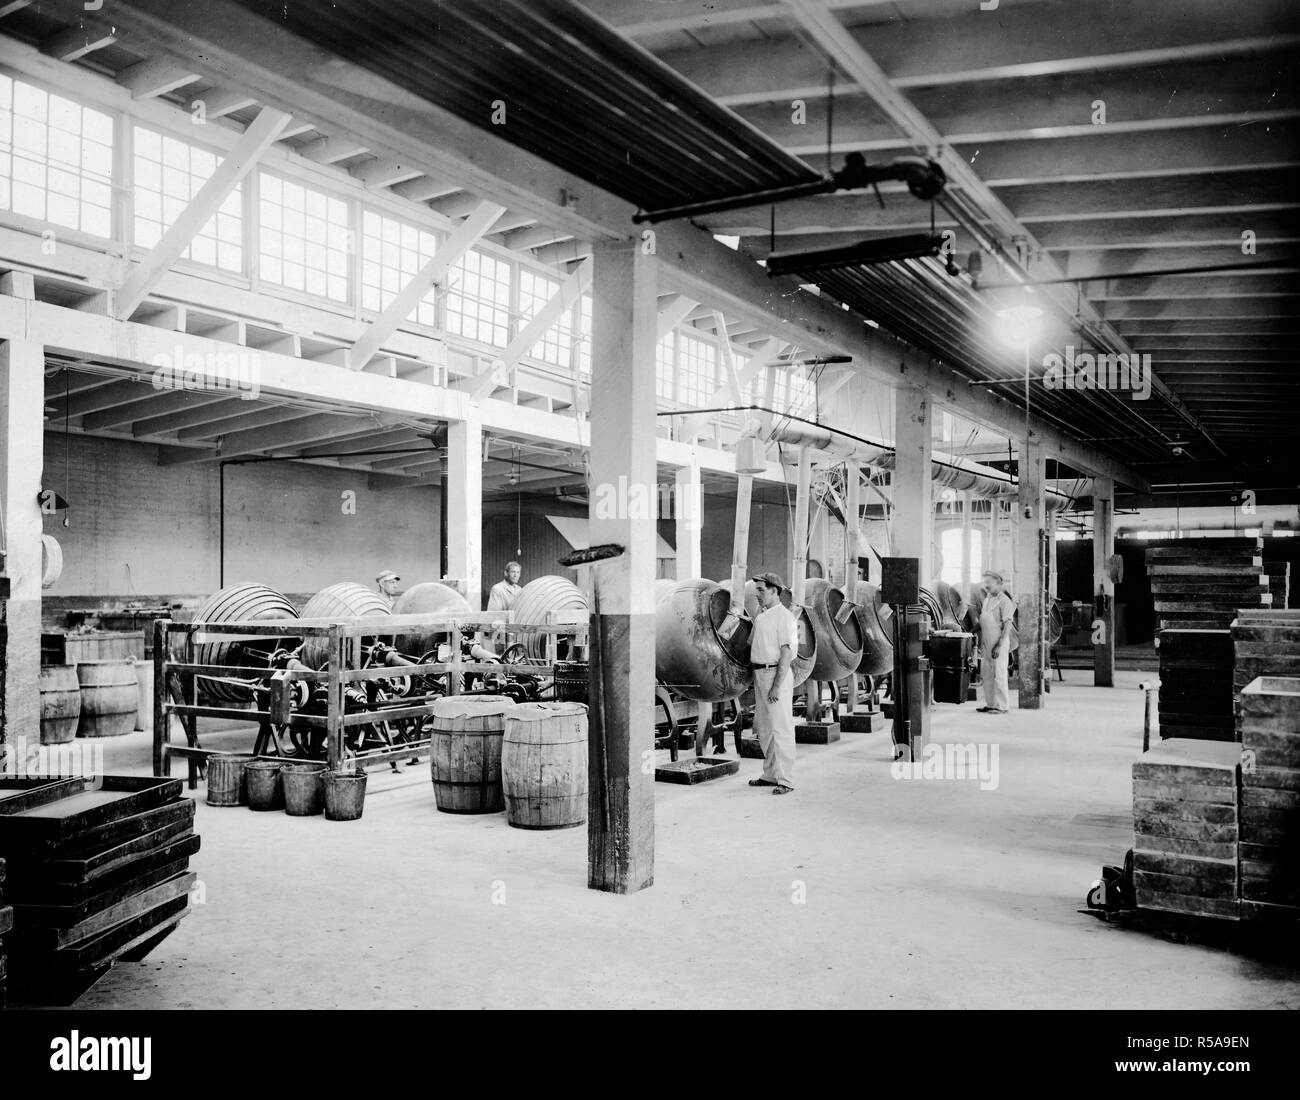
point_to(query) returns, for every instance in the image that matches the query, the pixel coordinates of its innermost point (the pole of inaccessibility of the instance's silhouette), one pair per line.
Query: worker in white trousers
(997, 614)
(772, 648)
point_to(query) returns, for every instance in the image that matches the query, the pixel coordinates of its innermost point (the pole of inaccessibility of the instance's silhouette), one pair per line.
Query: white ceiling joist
(674, 314)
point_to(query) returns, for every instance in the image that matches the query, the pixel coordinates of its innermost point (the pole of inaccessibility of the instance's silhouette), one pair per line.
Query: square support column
(1028, 590)
(688, 511)
(913, 468)
(1103, 590)
(22, 402)
(465, 507)
(620, 808)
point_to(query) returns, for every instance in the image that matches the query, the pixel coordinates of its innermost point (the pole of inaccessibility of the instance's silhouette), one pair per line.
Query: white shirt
(503, 596)
(773, 628)
(995, 611)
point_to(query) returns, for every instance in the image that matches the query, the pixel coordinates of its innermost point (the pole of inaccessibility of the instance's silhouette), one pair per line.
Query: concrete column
(1028, 590)
(963, 585)
(852, 527)
(799, 566)
(688, 502)
(913, 500)
(22, 400)
(464, 532)
(620, 815)
(1103, 546)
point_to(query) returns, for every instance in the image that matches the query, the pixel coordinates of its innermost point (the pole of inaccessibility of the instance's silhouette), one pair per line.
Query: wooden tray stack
(1264, 643)
(1185, 813)
(1196, 677)
(1270, 799)
(1279, 583)
(98, 869)
(1207, 580)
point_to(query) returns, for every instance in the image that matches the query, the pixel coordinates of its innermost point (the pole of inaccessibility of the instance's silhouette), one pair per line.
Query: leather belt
(765, 666)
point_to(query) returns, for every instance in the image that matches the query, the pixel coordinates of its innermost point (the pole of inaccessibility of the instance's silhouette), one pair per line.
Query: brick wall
(140, 529)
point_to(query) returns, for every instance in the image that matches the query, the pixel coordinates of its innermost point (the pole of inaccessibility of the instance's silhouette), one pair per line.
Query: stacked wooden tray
(1207, 580)
(1185, 815)
(1270, 800)
(1196, 678)
(97, 870)
(1264, 643)
(1279, 583)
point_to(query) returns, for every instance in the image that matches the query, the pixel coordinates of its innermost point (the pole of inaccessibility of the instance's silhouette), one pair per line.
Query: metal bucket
(345, 795)
(304, 789)
(225, 772)
(265, 788)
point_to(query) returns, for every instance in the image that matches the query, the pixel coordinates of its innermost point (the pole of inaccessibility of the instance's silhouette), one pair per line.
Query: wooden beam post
(22, 397)
(912, 484)
(464, 532)
(1029, 589)
(620, 818)
(260, 135)
(1103, 589)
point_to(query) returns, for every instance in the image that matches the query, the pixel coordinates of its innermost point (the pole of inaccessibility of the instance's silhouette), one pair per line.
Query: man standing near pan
(772, 647)
(997, 613)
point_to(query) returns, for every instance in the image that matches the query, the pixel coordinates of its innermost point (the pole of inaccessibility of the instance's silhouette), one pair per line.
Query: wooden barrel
(108, 698)
(544, 765)
(466, 753)
(60, 704)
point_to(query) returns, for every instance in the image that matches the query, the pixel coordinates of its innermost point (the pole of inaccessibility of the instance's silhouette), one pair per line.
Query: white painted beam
(911, 478)
(565, 298)
(464, 534)
(384, 172)
(461, 241)
(155, 77)
(220, 102)
(331, 150)
(425, 188)
(76, 42)
(673, 315)
(261, 133)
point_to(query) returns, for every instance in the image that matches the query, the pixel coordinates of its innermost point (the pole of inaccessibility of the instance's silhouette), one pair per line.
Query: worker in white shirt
(504, 593)
(997, 612)
(772, 648)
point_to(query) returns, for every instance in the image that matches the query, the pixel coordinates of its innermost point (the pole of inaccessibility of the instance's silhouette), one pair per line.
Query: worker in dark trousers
(772, 648)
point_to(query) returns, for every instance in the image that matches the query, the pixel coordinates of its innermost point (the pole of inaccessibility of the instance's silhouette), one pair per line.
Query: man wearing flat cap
(772, 648)
(997, 613)
(387, 580)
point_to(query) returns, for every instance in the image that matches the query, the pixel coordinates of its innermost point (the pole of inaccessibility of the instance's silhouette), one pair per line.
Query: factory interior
(517, 439)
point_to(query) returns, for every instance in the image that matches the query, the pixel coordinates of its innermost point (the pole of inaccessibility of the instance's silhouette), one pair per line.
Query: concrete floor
(917, 894)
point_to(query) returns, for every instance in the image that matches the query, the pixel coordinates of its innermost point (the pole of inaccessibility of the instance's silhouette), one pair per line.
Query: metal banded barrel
(240, 603)
(544, 765)
(534, 605)
(691, 657)
(339, 601)
(108, 698)
(429, 598)
(466, 753)
(839, 638)
(60, 704)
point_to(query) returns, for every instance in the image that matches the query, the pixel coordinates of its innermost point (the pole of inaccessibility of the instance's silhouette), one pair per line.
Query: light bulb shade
(1019, 325)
